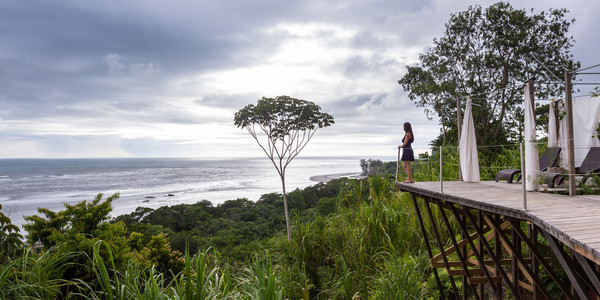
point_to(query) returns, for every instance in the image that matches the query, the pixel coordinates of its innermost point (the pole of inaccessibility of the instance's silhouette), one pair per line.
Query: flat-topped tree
(288, 124)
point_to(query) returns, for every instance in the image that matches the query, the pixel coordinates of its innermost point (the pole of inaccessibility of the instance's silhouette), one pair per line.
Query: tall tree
(288, 125)
(489, 54)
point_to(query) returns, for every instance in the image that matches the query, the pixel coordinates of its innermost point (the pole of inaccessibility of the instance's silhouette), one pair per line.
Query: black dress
(407, 151)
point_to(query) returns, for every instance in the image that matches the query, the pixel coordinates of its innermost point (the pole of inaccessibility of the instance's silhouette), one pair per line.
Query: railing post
(441, 171)
(398, 166)
(459, 123)
(570, 141)
(523, 176)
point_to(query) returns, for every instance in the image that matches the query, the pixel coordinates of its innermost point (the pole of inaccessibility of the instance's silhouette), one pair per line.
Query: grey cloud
(116, 66)
(107, 61)
(235, 101)
(54, 54)
(372, 65)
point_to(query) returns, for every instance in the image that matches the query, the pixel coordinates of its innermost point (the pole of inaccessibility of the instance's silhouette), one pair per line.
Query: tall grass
(260, 281)
(346, 254)
(201, 279)
(206, 280)
(401, 278)
(33, 276)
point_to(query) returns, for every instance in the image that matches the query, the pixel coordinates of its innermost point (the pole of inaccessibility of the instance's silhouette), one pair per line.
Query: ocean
(26, 184)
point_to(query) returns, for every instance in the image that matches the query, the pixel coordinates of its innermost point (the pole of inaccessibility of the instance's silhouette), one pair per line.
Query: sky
(157, 78)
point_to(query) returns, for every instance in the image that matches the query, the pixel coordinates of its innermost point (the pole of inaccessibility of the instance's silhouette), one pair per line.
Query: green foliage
(596, 92)
(342, 255)
(234, 227)
(260, 281)
(80, 227)
(33, 276)
(296, 201)
(490, 53)
(79, 220)
(327, 205)
(10, 238)
(400, 278)
(377, 167)
(202, 278)
(282, 117)
(369, 231)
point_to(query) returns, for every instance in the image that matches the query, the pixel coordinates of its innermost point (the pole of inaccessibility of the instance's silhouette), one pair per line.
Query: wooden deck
(575, 221)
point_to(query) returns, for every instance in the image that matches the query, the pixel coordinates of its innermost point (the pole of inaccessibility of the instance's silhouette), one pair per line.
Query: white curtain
(532, 164)
(586, 114)
(562, 135)
(469, 161)
(552, 123)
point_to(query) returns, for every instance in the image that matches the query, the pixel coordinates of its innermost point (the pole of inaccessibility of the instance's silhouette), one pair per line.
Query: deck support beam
(480, 259)
(441, 245)
(576, 282)
(535, 252)
(427, 246)
(496, 254)
(591, 274)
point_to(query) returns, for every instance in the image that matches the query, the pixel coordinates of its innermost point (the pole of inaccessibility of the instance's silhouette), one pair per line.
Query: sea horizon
(29, 183)
(381, 157)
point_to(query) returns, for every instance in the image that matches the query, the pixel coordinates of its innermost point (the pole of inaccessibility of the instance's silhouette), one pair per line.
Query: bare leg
(406, 166)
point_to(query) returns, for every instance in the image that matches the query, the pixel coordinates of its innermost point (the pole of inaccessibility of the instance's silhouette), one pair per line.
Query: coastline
(125, 206)
(26, 185)
(327, 177)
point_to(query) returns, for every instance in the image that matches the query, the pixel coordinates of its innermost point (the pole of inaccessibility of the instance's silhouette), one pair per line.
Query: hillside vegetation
(350, 239)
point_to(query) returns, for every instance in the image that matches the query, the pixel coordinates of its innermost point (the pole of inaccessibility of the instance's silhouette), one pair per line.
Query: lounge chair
(589, 167)
(548, 159)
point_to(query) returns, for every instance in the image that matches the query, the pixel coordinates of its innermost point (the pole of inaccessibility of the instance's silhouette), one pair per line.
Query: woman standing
(407, 152)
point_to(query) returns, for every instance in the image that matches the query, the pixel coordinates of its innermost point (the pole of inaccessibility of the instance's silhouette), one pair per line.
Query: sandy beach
(326, 178)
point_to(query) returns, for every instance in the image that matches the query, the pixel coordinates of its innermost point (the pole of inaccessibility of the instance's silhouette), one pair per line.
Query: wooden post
(523, 176)
(516, 272)
(570, 141)
(533, 239)
(398, 166)
(498, 254)
(441, 172)
(459, 121)
(480, 246)
(464, 234)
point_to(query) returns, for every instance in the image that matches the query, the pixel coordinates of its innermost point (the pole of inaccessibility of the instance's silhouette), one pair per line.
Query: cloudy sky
(157, 78)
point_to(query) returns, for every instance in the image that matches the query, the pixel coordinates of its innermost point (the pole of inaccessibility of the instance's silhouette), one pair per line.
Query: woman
(407, 153)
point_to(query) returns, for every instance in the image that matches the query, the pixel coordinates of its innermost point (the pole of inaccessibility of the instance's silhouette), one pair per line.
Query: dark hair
(408, 129)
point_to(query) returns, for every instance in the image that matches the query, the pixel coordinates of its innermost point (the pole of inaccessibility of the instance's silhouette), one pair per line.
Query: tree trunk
(285, 207)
